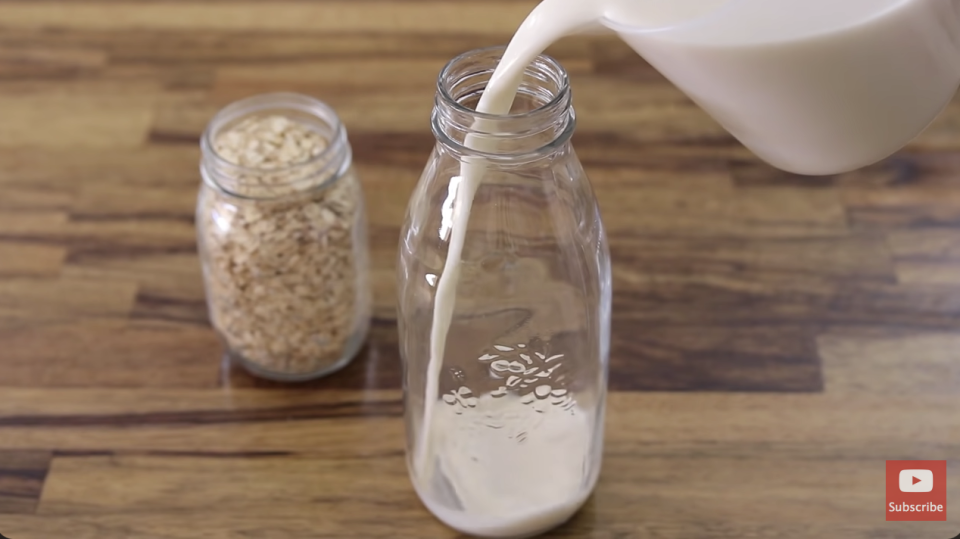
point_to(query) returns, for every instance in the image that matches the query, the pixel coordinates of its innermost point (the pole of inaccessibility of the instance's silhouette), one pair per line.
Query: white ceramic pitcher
(812, 86)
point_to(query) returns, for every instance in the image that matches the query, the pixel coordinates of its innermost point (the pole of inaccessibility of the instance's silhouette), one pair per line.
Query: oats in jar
(282, 236)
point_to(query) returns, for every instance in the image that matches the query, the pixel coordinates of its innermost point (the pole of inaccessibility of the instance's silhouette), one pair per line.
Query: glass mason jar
(504, 309)
(282, 237)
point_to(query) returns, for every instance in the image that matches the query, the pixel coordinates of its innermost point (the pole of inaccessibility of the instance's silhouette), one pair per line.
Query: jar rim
(278, 101)
(562, 93)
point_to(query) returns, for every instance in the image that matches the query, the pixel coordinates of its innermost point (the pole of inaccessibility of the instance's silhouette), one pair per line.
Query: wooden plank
(727, 495)
(390, 74)
(892, 362)
(862, 259)
(65, 170)
(23, 198)
(173, 278)
(16, 225)
(904, 207)
(871, 424)
(706, 299)
(756, 213)
(910, 189)
(181, 116)
(22, 475)
(379, 109)
(332, 16)
(49, 62)
(926, 256)
(727, 489)
(160, 483)
(303, 522)
(48, 299)
(164, 483)
(104, 201)
(713, 358)
(35, 404)
(85, 115)
(25, 259)
(228, 46)
(171, 48)
(300, 522)
(108, 352)
(126, 236)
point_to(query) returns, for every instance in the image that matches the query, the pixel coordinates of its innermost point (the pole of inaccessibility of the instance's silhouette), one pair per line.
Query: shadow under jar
(504, 309)
(282, 237)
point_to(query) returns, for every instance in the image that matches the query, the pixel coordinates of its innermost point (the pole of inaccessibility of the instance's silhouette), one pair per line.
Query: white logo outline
(923, 483)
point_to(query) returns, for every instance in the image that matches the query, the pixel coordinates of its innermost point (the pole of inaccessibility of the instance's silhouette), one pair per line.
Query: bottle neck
(540, 122)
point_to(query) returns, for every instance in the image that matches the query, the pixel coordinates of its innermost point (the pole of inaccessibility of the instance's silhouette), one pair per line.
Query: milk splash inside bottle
(811, 86)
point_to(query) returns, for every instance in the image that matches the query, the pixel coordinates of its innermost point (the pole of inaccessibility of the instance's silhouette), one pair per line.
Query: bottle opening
(540, 119)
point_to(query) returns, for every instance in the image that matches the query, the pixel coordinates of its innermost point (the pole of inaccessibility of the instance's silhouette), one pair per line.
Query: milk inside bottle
(811, 86)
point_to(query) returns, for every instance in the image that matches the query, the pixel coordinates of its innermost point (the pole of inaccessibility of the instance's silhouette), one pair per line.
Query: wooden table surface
(775, 338)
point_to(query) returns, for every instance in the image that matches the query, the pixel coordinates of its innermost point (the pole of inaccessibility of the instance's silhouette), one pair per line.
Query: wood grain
(22, 475)
(775, 337)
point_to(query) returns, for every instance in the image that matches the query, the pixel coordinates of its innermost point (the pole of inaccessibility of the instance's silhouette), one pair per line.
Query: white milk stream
(828, 130)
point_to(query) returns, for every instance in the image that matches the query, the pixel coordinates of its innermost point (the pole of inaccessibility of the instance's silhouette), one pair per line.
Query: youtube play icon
(916, 481)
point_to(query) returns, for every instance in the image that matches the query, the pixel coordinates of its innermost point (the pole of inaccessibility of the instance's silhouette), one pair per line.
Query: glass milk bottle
(504, 309)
